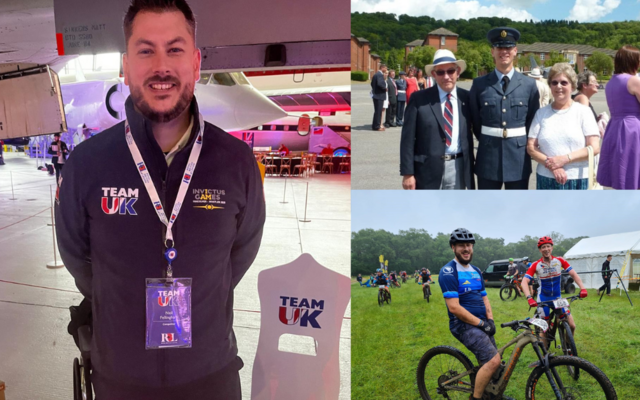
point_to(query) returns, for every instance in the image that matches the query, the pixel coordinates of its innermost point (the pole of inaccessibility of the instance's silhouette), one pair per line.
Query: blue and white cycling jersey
(468, 288)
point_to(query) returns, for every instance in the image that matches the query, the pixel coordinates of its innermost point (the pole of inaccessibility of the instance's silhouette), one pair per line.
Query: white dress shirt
(510, 75)
(455, 134)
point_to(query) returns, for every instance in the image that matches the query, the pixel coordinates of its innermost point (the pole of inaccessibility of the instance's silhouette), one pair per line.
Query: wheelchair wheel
(77, 389)
(87, 389)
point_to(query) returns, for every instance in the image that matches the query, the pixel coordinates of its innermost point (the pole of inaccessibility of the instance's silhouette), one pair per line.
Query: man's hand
(488, 327)
(583, 293)
(409, 182)
(532, 302)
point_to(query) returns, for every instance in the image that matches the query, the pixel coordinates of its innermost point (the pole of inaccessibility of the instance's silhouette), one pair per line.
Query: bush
(359, 76)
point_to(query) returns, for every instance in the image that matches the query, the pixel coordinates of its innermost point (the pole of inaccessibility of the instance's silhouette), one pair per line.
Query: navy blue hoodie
(110, 249)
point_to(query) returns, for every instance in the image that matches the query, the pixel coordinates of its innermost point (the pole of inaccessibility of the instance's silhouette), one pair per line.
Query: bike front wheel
(380, 298)
(508, 293)
(568, 347)
(439, 365)
(593, 383)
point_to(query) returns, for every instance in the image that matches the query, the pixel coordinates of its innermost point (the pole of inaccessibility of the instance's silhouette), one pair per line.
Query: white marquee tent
(589, 254)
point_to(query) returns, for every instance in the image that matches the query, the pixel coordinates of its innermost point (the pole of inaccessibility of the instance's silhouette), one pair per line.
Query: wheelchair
(80, 328)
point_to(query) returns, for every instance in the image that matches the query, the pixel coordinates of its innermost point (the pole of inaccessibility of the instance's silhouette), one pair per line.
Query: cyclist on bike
(549, 269)
(393, 278)
(381, 280)
(513, 273)
(470, 315)
(426, 278)
(403, 274)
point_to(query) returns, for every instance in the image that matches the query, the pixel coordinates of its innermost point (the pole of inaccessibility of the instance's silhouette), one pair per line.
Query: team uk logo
(187, 178)
(141, 167)
(166, 297)
(199, 139)
(157, 205)
(119, 201)
(293, 311)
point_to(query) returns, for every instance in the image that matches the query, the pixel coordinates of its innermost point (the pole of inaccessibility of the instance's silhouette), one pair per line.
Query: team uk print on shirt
(549, 277)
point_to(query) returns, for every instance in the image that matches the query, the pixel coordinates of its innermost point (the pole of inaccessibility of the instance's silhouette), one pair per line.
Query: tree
(599, 62)
(554, 58)
(470, 53)
(421, 56)
(524, 60)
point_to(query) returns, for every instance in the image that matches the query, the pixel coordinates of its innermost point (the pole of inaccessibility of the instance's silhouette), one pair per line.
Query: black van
(494, 274)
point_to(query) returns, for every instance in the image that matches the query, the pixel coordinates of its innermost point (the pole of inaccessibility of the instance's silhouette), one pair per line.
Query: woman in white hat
(543, 88)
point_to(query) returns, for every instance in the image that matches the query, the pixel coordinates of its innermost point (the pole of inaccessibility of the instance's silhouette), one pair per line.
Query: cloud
(522, 3)
(443, 9)
(592, 10)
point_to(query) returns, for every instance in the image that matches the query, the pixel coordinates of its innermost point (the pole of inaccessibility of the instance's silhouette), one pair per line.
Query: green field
(387, 342)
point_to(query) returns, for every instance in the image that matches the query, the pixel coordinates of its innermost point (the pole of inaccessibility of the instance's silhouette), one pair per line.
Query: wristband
(529, 297)
(480, 324)
(569, 157)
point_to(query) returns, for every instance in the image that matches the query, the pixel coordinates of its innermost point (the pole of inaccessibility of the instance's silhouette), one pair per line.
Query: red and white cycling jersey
(549, 277)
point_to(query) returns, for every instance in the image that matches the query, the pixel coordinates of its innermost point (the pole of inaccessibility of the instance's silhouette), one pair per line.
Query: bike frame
(550, 335)
(520, 341)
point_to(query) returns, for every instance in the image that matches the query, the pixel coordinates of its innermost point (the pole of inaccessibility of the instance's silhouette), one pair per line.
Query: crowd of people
(515, 119)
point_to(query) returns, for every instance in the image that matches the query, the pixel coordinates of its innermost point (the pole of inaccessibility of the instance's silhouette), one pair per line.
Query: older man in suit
(436, 148)
(503, 104)
(379, 95)
(390, 120)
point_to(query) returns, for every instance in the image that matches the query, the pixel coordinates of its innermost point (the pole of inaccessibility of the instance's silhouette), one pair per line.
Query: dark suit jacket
(378, 88)
(423, 140)
(393, 98)
(605, 267)
(498, 159)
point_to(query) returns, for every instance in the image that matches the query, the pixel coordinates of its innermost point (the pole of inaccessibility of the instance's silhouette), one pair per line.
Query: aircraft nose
(252, 109)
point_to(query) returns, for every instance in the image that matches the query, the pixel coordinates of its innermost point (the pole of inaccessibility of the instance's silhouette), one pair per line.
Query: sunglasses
(556, 83)
(450, 71)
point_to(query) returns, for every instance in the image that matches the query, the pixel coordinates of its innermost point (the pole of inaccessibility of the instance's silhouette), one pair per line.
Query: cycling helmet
(424, 269)
(545, 240)
(461, 235)
(378, 270)
(511, 259)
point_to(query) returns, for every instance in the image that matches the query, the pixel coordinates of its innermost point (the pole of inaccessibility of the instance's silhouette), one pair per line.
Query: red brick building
(361, 57)
(441, 38)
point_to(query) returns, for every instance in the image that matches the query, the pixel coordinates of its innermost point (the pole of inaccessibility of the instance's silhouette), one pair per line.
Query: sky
(517, 10)
(502, 214)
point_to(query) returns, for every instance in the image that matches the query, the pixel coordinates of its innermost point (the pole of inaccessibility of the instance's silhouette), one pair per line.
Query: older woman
(587, 87)
(560, 134)
(620, 159)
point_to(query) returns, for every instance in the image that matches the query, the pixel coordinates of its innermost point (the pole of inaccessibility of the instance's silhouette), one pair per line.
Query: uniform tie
(448, 120)
(505, 83)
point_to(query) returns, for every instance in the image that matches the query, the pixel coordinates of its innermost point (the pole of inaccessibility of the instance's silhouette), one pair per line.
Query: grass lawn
(387, 342)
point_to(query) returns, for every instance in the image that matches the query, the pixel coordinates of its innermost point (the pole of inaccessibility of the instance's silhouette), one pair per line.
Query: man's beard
(186, 96)
(461, 260)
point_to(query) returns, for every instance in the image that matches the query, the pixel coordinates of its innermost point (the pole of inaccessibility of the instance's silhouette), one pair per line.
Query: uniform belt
(449, 157)
(504, 132)
(402, 91)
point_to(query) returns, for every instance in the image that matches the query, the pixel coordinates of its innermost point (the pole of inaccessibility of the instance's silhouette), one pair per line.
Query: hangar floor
(36, 353)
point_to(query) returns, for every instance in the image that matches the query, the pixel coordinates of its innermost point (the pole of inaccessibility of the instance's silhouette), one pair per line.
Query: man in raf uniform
(401, 84)
(503, 104)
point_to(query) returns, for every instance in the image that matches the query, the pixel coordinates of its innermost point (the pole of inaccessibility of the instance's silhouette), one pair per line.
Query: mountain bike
(404, 279)
(559, 323)
(446, 372)
(426, 292)
(509, 291)
(383, 296)
(395, 284)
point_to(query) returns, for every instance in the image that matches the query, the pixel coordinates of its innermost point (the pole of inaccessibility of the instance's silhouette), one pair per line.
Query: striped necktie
(448, 120)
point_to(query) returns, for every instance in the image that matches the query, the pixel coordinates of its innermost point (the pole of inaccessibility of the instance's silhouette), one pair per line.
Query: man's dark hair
(609, 256)
(158, 6)
(383, 66)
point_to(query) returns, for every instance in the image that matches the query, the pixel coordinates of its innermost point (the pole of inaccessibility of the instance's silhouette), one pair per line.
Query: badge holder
(168, 310)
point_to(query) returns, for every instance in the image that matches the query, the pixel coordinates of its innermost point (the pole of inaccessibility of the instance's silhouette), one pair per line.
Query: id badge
(168, 313)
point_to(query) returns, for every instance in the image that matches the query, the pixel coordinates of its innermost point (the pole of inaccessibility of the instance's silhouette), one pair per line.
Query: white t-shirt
(563, 132)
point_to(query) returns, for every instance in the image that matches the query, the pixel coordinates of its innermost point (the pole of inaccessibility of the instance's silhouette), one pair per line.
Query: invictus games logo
(119, 200)
(209, 199)
(294, 311)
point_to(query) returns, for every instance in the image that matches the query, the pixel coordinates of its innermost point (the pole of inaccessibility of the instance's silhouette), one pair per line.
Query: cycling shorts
(477, 341)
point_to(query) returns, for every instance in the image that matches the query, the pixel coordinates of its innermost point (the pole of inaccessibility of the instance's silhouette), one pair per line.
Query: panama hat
(535, 73)
(444, 56)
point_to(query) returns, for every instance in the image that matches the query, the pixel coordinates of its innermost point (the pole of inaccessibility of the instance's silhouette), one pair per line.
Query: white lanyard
(171, 253)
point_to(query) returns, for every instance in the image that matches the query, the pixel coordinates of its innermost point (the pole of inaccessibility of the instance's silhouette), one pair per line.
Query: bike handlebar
(571, 300)
(510, 324)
